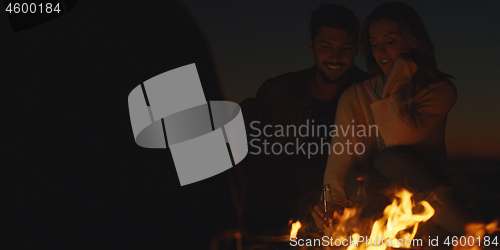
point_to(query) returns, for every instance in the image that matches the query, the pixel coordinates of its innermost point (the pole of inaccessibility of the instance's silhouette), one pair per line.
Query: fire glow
(477, 232)
(397, 228)
(399, 217)
(390, 230)
(393, 227)
(295, 228)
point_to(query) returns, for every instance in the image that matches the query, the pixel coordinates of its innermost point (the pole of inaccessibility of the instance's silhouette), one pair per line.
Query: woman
(408, 99)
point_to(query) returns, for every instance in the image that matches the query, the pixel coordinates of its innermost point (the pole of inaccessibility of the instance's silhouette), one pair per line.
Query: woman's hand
(399, 75)
(319, 214)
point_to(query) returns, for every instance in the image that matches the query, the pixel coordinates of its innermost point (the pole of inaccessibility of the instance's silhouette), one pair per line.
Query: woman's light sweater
(404, 117)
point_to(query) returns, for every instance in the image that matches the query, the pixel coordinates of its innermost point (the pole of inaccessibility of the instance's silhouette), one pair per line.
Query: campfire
(476, 238)
(295, 228)
(397, 228)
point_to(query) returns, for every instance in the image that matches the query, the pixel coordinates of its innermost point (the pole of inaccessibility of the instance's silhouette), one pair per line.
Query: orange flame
(397, 219)
(295, 228)
(477, 232)
(339, 230)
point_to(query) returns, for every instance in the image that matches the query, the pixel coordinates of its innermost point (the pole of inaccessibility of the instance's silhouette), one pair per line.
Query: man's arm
(264, 93)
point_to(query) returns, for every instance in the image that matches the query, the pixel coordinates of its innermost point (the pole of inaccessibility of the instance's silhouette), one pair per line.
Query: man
(286, 123)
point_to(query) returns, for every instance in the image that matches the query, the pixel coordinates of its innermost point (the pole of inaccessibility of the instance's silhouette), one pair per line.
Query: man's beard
(339, 79)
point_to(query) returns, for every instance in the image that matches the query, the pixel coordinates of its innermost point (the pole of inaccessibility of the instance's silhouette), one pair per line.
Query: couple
(405, 96)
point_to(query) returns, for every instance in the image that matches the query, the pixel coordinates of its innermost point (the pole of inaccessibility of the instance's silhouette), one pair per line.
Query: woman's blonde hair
(412, 28)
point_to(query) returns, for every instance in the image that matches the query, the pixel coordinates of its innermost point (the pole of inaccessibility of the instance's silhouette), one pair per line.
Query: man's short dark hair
(335, 16)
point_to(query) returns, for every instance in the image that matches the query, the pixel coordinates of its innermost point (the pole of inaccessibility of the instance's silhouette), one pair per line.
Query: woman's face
(387, 43)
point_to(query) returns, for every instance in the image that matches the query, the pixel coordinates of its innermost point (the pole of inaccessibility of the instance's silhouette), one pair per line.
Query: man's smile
(334, 66)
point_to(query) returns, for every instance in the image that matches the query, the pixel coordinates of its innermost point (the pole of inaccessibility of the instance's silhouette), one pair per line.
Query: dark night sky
(253, 41)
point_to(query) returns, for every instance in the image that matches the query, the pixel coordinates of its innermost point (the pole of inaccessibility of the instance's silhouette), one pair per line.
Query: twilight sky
(253, 41)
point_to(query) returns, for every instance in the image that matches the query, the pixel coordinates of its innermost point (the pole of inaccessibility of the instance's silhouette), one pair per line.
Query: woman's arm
(401, 125)
(339, 165)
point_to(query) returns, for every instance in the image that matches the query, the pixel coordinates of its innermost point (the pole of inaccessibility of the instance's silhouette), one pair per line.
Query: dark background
(74, 177)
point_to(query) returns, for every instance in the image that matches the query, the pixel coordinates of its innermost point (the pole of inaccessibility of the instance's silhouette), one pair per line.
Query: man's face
(334, 52)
